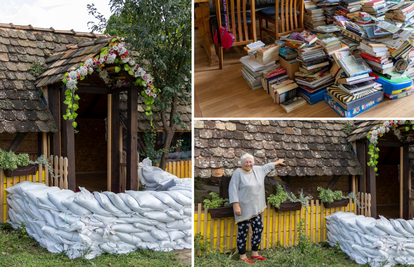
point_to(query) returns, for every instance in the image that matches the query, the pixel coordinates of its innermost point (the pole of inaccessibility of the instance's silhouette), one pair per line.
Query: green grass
(317, 255)
(17, 249)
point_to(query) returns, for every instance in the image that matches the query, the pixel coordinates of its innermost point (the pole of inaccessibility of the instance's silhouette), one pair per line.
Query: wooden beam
(132, 139)
(109, 145)
(361, 156)
(68, 141)
(390, 143)
(45, 145)
(54, 106)
(115, 158)
(371, 186)
(17, 141)
(333, 182)
(92, 89)
(405, 174)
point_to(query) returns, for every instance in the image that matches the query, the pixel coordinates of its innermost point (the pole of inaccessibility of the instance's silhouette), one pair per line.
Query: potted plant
(20, 164)
(218, 207)
(284, 201)
(332, 199)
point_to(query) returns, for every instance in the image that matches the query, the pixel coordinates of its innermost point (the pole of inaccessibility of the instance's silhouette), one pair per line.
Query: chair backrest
(291, 16)
(241, 20)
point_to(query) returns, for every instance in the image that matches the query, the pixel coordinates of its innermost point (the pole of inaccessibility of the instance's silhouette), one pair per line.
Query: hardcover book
(354, 66)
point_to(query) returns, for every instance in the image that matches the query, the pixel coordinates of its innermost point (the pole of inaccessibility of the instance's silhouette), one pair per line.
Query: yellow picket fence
(181, 169)
(59, 167)
(280, 228)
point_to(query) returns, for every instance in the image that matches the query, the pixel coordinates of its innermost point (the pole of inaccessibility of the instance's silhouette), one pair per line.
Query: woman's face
(247, 164)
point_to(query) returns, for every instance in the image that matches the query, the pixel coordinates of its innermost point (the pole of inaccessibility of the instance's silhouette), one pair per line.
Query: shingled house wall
(314, 151)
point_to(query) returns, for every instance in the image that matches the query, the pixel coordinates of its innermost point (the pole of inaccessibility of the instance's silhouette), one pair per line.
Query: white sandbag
(167, 200)
(33, 211)
(128, 238)
(146, 237)
(144, 227)
(117, 248)
(23, 186)
(384, 225)
(174, 235)
(152, 174)
(184, 244)
(159, 216)
(188, 211)
(160, 235)
(57, 197)
(376, 231)
(132, 203)
(175, 214)
(162, 226)
(166, 245)
(126, 228)
(407, 226)
(181, 197)
(147, 200)
(105, 219)
(106, 203)
(87, 200)
(137, 219)
(363, 223)
(50, 220)
(39, 196)
(118, 202)
(399, 228)
(75, 208)
(148, 245)
(180, 224)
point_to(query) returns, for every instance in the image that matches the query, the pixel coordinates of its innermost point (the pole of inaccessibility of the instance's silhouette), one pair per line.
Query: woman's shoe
(260, 258)
(246, 260)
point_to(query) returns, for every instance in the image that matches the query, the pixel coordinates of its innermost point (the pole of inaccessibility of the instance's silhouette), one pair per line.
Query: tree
(160, 31)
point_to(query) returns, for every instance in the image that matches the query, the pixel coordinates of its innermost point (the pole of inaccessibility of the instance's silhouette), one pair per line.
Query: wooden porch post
(68, 141)
(115, 157)
(371, 185)
(405, 176)
(54, 106)
(361, 155)
(132, 139)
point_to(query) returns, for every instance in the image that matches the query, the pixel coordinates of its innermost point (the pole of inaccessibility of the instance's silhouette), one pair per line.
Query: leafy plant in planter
(218, 207)
(335, 198)
(277, 200)
(9, 161)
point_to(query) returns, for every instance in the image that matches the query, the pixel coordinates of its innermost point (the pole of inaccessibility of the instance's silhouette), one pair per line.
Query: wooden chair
(241, 22)
(289, 19)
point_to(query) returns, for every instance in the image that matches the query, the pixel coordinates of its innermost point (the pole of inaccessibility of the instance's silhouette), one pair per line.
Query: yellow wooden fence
(279, 227)
(181, 169)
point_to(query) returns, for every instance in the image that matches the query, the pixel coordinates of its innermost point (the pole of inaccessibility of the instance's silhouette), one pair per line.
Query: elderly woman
(247, 194)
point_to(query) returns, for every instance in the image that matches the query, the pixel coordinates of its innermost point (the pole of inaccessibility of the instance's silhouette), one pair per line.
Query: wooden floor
(224, 93)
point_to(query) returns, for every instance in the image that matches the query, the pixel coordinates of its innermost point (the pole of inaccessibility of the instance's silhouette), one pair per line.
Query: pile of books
(376, 8)
(314, 18)
(401, 12)
(355, 91)
(331, 43)
(377, 57)
(349, 6)
(253, 71)
(329, 8)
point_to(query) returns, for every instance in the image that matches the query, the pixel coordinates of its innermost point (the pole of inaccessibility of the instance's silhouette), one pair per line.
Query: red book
(374, 3)
(370, 57)
(275, 72)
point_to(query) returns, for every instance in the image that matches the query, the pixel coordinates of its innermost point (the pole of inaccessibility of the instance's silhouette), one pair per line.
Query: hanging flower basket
(289, 206)
(337, 203)
(221, 212)
(30, 169)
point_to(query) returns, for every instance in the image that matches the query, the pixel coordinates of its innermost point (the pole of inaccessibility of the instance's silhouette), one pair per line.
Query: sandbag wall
(379, 242)
(89, 224)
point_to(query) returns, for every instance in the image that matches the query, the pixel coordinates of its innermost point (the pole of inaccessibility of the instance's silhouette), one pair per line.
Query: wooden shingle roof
(21, 108)
(310, 148)
(362, 128)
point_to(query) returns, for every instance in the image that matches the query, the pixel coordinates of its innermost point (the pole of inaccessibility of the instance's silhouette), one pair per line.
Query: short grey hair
(245, 156)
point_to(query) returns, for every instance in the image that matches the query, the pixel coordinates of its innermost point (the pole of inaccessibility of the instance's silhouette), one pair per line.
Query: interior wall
(388, 185)
(91, 146)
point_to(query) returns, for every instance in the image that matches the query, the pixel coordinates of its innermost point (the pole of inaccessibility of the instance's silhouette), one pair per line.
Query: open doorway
(388, 182)
(91, 143)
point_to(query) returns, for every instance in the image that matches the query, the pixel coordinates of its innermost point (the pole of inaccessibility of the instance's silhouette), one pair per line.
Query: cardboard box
(290, 68)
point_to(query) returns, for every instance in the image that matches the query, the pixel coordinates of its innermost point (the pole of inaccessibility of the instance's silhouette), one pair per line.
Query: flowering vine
(115, 53)
(373, 150)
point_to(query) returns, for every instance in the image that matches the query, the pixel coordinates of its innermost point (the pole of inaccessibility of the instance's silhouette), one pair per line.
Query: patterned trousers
(243, 229)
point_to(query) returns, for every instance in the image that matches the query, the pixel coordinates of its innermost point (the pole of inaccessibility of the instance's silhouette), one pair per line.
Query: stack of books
(293, 103)
(377, 57)
(314, 18)
(283, 91)
(265, 54)
(253, 71)
(402, 12)
(349, 6)
(329, 7)
(376, 8)
(307, 37)
(274, 76)
(288, 53)
(356, 92)
(331, 43)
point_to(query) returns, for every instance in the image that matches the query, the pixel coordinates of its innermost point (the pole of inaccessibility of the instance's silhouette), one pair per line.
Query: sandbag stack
(89, 224)
(379, 242)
